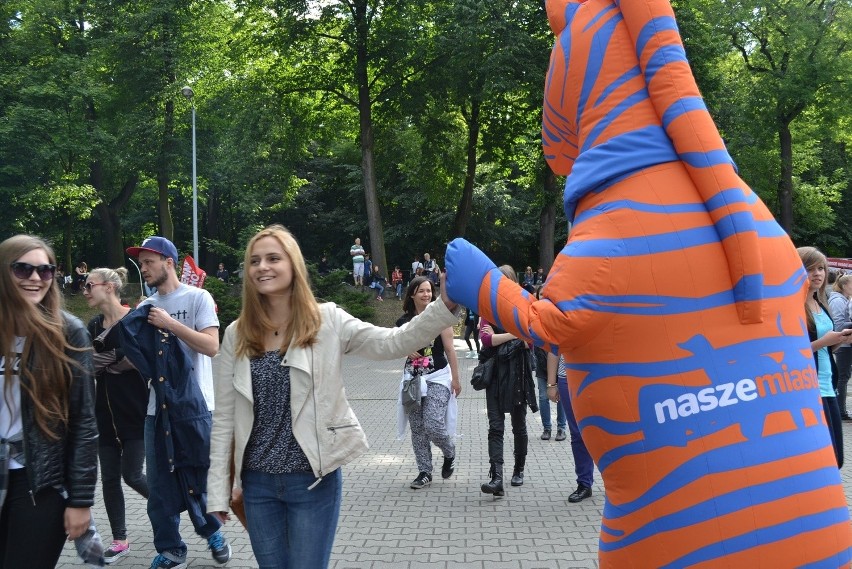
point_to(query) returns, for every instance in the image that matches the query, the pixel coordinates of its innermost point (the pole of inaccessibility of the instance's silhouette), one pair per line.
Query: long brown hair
(408, 304)
(812, 257)
(254, 322)
(45, 368)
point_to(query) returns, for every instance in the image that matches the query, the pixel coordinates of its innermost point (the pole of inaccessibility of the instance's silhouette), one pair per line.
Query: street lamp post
(189, 94)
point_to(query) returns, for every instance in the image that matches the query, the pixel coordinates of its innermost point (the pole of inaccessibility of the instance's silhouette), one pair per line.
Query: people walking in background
(471, 328)
(120, 405)
(81, 271)
(48, 433)
(188, 313)
(396, 281)
(222, 273)
(377, 281)
(431, 270)
(416, 268)
(357, 253)
(323, 268)
(540, 358)
(436, 365)
(511, 390)
(839, 306)
(823, 336)
(538, 280)
(368, 268)
(528, 279)
(284, 351)
(557, 391)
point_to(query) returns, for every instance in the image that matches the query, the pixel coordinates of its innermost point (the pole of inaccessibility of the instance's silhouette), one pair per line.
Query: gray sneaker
(219, 547)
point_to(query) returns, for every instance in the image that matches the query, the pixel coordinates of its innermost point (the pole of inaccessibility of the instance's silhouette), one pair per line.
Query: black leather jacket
(71, 462)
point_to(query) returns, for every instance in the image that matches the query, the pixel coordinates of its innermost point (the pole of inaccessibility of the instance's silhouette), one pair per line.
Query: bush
(333, 287)
(228, 300)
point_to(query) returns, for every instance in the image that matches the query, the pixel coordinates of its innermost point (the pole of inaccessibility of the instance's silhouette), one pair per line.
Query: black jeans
(835, 427)
(126, 461)
(843, 358)
(31, 534)
(496, 427)
(468, 331)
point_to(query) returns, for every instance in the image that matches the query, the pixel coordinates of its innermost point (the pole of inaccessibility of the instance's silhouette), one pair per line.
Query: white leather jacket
(323, 422)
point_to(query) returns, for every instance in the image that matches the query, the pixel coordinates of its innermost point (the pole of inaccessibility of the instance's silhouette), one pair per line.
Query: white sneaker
(471, 355)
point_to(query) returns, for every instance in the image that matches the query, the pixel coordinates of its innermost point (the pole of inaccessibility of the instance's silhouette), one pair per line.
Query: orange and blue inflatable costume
(678, 305)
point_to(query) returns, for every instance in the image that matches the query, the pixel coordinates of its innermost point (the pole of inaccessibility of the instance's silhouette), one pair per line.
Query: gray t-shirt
(194, 308)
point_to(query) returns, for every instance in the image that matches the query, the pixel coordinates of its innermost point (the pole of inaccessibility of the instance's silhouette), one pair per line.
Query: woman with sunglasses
(120, 405)
(48, 453)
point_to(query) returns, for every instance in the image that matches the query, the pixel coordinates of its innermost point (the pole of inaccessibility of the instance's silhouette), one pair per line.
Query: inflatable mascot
(678, 305)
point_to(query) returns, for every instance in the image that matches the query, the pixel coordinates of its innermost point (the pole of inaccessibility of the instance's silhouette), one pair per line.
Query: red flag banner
(191, 274)
(836, 263)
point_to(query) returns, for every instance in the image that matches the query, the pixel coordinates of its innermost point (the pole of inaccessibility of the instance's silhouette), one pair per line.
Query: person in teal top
(823, 337)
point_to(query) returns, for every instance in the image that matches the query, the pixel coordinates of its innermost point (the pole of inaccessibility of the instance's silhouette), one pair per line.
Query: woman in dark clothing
(510, 391)
(122, 396)
(48, 453)
(823, 336)
(471, 328)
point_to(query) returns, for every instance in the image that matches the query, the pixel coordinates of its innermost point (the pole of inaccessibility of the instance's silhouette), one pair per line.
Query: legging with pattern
(428, 424)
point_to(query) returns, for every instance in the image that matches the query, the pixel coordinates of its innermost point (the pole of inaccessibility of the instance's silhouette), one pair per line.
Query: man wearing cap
(190, 314)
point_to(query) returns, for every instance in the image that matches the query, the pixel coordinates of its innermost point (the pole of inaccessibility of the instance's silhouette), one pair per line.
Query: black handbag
(481, 377)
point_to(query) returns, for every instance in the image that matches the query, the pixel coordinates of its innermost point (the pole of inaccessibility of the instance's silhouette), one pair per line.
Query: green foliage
(228, 300)
(93, 126)
(334, 288)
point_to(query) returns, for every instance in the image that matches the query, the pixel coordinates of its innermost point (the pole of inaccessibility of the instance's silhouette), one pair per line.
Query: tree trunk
(368, 170)
(110, 213)
(785, 183)
(466, 202)
(547, 220)
(164, 214)
(211, 258)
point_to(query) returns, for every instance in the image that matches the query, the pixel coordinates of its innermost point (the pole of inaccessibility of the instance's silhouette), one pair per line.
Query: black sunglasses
(23, 271)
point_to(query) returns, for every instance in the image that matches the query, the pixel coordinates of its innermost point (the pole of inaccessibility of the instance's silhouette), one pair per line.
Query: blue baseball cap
(159, 245)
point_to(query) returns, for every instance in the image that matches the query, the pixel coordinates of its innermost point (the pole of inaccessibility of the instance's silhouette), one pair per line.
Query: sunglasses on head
(25, 270)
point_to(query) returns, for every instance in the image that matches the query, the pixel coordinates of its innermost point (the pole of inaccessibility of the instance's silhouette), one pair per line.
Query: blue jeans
(544, 407)
(584, 466)
(399, 290)
(166, 526)
(290, 526)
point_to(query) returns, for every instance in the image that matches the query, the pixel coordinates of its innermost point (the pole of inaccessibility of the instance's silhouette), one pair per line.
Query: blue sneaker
(219, 547)
(162, 562)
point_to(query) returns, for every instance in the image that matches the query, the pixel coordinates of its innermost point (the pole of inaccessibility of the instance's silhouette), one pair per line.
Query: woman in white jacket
(280, 399)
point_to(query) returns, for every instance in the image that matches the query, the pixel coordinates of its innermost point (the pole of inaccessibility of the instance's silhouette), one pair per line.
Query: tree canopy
(405, 124)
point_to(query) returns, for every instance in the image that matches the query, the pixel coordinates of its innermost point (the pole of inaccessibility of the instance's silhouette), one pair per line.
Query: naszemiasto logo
(748, 384)
(730, 393)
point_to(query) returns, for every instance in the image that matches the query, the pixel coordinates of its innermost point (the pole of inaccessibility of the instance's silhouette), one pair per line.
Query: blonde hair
(305, 319)
(116, 277)
(509, 272)
(842, 280)
(45, 367)
(812, 257)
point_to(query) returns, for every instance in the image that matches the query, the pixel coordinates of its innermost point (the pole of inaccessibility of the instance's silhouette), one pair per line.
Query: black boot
(518, 471)
(495, 485)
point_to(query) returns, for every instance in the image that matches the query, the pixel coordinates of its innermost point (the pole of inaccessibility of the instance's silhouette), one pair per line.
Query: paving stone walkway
(450, 525)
